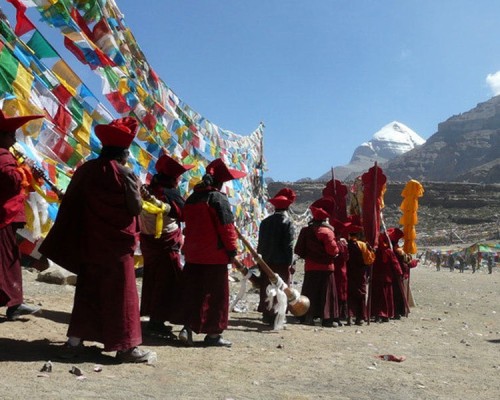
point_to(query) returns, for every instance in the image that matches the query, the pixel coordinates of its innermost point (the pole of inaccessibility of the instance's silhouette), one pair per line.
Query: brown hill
(448, 212)
(466, 147)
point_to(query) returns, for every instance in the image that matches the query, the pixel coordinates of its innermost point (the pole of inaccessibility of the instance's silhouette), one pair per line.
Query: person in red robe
(95, 235)
(316, 244)
(361, 257)
(14, 180)
(275, 245)
(210, 244)
(386, 265)
(161, 281)
(399, 288)
(340, 270)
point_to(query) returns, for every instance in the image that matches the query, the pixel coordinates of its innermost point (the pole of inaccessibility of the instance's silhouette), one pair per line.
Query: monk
(160, 247)
(360, 258)
(275, 245)
(385, 268)
(399, 289)
(210, 245)
(316, 244)
(14, 180)
(95, 235)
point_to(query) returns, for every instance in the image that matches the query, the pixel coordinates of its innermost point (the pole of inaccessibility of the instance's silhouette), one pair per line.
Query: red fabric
(168, 166)
(373, 182)
(221, 172)
(356, 282)
(11, 124)
(93, 224)
(119, 132)
(161, 282)
(341, 271)
(338, 191)
(318, 247)
(208, 240)
(106, 306)
(12, 196)
(94, 235)
(63, 119)
(206, 297)
(319, 288)
(385, 267)
(11, 283)
(62, 94)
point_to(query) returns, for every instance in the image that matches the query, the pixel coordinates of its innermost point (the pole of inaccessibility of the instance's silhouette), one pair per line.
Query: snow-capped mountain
(389, 142)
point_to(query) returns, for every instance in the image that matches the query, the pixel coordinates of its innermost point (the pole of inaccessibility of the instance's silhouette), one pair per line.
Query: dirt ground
(451, 342)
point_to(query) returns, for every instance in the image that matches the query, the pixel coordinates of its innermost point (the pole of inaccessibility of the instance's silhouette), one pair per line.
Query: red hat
(221, 172)
(118, 133)
(322, 208)
(11, 124)
(283, 199)
(395, 234)
(166, 165)
(340, 227)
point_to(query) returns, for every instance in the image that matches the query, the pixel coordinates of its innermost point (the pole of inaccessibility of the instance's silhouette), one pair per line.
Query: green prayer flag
(8, 70)
(41, 47)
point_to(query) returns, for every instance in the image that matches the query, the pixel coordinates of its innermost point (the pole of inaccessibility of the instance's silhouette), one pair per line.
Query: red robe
(95, 235)
(209, 244)
(316, 244)
(386, 265)
(11, 212)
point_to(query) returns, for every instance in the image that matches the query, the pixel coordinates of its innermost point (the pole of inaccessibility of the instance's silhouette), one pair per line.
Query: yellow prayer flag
(61, 69)
(22, 84)
(82, 133)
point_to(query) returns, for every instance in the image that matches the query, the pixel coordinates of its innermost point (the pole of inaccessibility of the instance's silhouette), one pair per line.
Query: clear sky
(323, 75)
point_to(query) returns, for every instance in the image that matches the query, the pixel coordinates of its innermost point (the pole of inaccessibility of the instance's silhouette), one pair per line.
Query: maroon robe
(95, 235)
(341, 277)
(11, 214)
(161, 280)
(356, 282)
(206, 297)
(385, 267)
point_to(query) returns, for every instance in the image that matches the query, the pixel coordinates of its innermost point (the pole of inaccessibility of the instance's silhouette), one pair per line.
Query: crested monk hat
(221, 172)
(11, 124)
(283, 199)
(168, 166)
(395, 234)
(118, 133)
(322, 208)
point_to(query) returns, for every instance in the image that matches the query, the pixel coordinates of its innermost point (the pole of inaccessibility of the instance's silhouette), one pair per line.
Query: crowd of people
(106, 212)
(460, 262)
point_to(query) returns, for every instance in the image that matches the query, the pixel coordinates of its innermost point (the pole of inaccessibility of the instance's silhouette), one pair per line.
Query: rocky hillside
(466, 147)
(448, 212)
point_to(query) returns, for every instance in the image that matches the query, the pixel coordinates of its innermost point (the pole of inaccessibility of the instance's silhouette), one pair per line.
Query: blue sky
(323, 75)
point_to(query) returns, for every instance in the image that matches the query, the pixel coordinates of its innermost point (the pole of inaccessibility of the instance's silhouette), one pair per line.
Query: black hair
(114, 153)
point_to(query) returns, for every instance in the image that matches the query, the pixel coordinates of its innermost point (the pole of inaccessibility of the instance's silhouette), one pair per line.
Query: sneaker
(67, 352)
(186, 337)
(15, 312)
(217, 341)
(133, 355)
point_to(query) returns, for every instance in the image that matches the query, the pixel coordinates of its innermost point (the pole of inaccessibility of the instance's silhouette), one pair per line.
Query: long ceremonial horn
(21, 157)
(297, 303)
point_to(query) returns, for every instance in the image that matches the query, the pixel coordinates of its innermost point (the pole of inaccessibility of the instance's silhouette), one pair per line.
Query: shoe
(217, 341)
(186, 337)
(359, 322)
(158, 329)
(329, 323)
(15, 312)
(67, 352)
(133, 355)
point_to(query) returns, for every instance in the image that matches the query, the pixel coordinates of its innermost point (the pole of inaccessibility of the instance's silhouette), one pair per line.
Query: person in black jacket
(276, 239)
